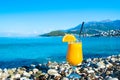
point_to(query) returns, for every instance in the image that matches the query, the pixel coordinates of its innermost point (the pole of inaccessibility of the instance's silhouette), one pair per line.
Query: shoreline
(18, 62)
(91, 69)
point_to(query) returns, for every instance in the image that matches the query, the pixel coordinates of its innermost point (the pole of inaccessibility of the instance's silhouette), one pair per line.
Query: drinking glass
(74, 55)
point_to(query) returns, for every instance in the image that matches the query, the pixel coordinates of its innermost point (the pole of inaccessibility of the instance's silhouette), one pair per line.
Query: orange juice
(74, 55)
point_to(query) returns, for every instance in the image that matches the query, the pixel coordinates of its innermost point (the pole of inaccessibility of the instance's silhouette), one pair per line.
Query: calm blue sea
(22, 51)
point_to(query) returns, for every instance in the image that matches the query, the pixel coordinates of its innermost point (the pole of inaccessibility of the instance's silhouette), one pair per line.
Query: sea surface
(21, 51)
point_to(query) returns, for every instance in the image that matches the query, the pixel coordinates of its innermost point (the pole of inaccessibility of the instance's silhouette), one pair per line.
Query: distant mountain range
(94, 28)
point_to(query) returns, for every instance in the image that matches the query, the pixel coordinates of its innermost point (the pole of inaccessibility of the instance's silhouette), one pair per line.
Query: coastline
(92, 69)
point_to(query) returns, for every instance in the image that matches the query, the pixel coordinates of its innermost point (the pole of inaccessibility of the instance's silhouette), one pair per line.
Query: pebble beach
(107, 68)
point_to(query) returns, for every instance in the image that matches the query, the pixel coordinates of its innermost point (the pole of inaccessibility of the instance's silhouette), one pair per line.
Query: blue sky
(40, 16)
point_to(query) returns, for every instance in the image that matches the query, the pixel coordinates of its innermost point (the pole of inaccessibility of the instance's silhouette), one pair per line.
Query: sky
(33, 17)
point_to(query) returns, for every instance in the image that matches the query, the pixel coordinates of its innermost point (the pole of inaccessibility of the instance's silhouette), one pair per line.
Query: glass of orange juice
(74, 54)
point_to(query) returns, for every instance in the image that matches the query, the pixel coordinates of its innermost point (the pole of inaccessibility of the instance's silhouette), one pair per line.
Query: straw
(81, 30)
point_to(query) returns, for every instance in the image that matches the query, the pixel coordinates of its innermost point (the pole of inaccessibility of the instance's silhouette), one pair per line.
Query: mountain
(97, 28)
(100, 28)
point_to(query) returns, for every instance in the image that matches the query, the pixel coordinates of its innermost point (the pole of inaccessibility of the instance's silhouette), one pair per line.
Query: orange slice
(69, 38)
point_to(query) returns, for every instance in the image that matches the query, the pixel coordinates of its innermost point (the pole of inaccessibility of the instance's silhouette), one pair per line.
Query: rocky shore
(90, 69)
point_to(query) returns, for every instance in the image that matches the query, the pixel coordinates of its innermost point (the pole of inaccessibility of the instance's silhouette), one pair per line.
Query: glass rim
(74, 42)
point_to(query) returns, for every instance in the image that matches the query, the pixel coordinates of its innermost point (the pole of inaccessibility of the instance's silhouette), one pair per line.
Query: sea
(24, 51)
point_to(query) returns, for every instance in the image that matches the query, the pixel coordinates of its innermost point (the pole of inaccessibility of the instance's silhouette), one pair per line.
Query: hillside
(54, 33)
(97, 26)
(102, 28)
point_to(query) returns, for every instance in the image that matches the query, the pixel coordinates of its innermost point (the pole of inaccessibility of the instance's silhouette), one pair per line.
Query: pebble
(65, 78)
(26, 74)
(101, 64)
(17, 75)
(88, 60)
(24, 78)
(112, 79)
(90, 69)
(52, 72)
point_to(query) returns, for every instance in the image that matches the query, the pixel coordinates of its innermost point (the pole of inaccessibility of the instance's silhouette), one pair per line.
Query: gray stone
(90, 71)
(112, 79)
(101, 64)
(65, 78)
(52, 72)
